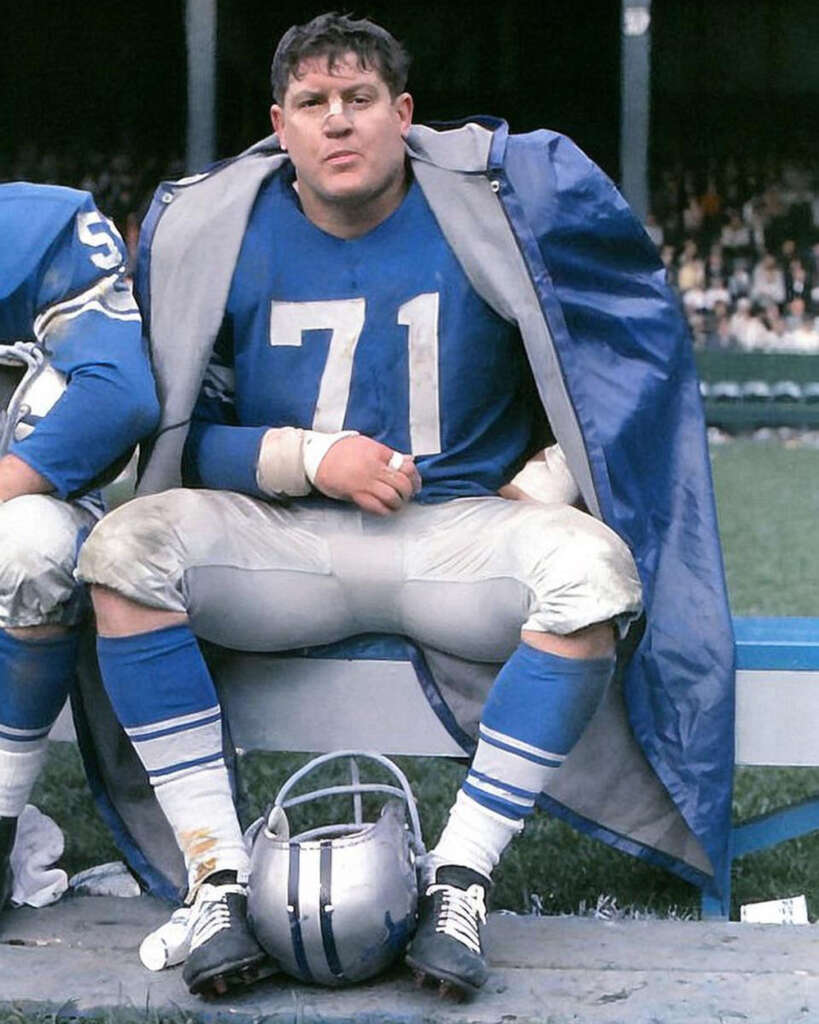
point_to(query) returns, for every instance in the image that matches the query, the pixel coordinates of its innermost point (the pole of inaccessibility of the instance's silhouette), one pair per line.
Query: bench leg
(713, 906)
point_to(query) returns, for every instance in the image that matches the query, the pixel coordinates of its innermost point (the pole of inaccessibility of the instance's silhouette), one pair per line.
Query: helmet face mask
(29, 387)
(336, 904)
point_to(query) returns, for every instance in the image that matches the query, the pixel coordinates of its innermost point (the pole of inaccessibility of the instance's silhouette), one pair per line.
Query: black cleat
(223, 951)
(8, 832)
(447, 945)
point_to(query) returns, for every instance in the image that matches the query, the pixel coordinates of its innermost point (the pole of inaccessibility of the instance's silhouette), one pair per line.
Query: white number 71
(345, 318)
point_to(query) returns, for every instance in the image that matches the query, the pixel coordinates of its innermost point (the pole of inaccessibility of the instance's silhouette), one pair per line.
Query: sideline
(80, 956)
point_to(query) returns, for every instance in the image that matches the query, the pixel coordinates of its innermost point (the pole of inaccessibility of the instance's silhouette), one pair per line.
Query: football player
(361, 409)
(70, 336)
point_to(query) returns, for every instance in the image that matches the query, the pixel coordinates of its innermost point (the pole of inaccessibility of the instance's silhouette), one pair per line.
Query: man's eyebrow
(354, 87)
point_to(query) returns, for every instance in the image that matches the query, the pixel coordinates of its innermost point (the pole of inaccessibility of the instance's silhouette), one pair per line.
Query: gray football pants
(464, 576)
(39, 540)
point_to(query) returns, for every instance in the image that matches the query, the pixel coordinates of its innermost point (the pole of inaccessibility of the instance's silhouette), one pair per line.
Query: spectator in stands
(740, 324)
(735, 238)
(718, 331)
(757, 335)
(739, 283)
(768, 281)
(797, 283)
(804, 337)
(715, 268)
(691, 269)
(716, 293)
(692, 217)
(710, 203)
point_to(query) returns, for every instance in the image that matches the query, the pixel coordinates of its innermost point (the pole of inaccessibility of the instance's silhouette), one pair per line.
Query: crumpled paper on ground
(110, 879)
(38, 845)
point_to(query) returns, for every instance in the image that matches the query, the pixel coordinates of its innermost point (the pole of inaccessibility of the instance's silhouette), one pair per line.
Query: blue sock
(538, 707)
(34, 679)
(162, 693)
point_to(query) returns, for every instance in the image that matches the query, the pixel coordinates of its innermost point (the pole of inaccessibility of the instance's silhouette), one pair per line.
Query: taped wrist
(289, 459)
(316, 446)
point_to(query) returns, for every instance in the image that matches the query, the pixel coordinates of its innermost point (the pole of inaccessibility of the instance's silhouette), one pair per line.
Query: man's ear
(403, 105)
(277, 120)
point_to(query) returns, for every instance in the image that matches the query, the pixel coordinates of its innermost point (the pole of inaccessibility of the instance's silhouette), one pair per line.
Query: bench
(777, 716)
(317, 704)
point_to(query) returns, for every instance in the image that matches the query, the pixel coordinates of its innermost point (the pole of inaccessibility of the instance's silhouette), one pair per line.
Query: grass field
(768, 499)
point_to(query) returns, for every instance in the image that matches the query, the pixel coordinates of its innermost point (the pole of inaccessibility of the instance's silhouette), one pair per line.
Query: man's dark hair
(332, 36)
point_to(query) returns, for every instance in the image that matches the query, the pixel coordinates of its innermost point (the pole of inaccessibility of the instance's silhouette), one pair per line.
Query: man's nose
(337, 119)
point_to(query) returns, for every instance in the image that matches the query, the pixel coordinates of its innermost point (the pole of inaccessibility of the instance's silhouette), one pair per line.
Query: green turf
(768, 498)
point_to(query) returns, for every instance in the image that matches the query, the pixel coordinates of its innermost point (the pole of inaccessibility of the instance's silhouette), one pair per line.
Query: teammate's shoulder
(37, 215)
(59, 199)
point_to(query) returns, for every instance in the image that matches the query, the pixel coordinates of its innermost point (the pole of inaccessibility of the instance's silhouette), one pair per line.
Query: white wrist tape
(316, 446)
(280, 469)
(289, 459)
(548, 480)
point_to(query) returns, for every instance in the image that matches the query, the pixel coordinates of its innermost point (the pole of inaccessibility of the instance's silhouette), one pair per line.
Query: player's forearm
(224, 457)
(95, 422)
(18, 478)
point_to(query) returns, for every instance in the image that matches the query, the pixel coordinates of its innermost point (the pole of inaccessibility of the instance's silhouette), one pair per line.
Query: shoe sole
(217, 981)
(443, 978)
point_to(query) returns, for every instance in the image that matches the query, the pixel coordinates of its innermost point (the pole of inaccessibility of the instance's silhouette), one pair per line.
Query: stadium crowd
(739, 239)
(740, 242)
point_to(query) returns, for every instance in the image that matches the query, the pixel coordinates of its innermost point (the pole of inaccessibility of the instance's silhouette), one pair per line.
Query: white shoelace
(212, 912)
(461, 910)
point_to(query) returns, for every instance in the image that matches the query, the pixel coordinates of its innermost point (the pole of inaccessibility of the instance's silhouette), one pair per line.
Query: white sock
(199, 807)
(473, 836)
(18, 773)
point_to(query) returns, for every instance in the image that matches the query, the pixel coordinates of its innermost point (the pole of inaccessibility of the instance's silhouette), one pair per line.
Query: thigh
(250, 574)
(40, 537)
(480, 570)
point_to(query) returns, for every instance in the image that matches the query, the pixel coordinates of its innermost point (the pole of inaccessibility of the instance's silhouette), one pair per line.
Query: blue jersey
(382, 334)
(63, 284)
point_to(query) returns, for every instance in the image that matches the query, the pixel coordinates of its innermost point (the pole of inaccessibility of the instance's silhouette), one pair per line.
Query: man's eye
(360, 101)
(310, 103)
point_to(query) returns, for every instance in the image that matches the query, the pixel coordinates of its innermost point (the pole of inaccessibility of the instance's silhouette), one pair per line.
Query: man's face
(344, 133)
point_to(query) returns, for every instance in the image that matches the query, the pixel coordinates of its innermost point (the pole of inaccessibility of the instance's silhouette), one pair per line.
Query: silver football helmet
(29, 387)
(336, 904)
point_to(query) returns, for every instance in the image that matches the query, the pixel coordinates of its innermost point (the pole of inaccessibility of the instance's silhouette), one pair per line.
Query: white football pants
(463, 576)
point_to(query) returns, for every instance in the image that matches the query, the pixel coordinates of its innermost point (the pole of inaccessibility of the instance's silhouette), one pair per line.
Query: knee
(588, 577)
(36, 546)
(136, 539)
(136, 557)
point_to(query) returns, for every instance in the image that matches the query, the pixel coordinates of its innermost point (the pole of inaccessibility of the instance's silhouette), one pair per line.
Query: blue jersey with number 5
(63, 284)
(382, 334)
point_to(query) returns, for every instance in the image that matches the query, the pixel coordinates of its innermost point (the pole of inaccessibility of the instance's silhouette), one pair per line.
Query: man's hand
(357, 469)
(545, 478)
(17, 478)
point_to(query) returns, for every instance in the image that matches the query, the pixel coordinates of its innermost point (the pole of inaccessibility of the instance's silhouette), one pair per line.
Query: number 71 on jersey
(345, 318)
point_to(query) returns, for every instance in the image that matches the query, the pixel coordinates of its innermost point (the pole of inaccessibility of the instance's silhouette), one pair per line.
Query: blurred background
(724, 168)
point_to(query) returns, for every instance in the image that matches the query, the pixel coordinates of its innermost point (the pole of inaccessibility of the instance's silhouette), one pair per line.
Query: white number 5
(345, 317)
(103, 238)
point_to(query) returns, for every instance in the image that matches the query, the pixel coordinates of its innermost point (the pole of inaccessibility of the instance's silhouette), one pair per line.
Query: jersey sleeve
(219, 452)
(84, 314)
